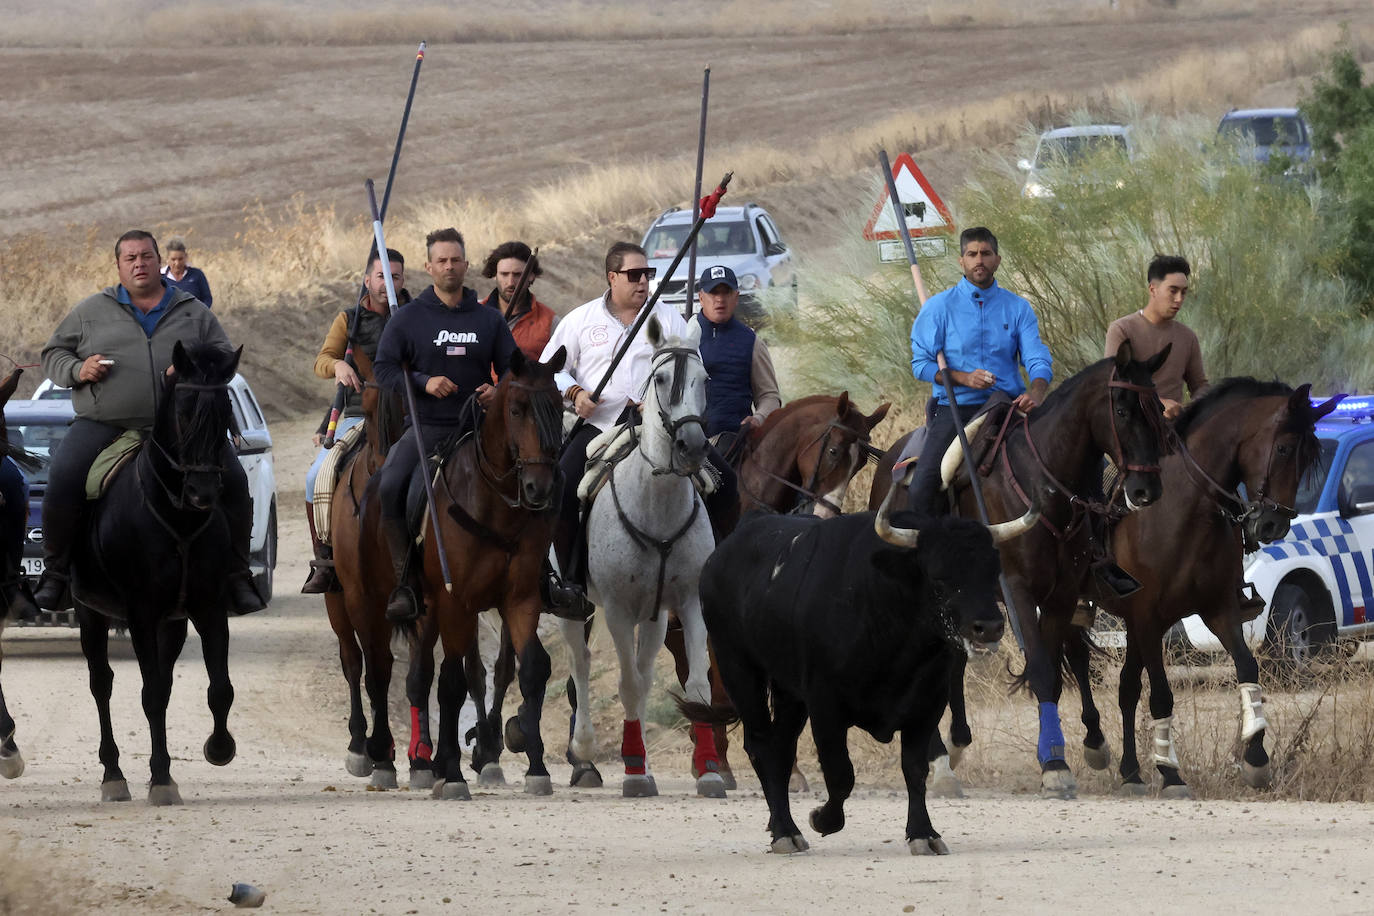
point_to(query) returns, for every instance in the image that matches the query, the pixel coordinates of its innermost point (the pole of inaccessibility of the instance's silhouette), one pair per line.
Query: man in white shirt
(593, 333)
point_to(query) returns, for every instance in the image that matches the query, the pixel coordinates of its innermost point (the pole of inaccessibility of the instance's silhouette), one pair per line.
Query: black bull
(852, 623)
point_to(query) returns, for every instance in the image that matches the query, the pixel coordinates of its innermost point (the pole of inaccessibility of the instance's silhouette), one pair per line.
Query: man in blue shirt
(986, 335)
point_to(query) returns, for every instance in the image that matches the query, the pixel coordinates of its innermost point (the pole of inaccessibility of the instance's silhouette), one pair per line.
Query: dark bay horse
(496, 497)
(157, 552)
(1110, 408)
(1187, 552)
(11, 761)
(357, 612)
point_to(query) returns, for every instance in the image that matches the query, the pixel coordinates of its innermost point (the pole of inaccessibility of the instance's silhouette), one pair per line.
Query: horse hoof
(586, 776)
(358, 764)
(1255, 777)
(383, 778)
(1177, 790)
(12, 765)
(1058, 784)
(158, 796)
(116, 790)
(798, 783)
(711, 786)
(422, 779)
(452, 791)
(1098, 758)
(491, 775)
(727, 779)
(638, 786)
(788, 845)
(220, 753)
(1132, 790)
(928, 846)
(538, 785)
(515, 738)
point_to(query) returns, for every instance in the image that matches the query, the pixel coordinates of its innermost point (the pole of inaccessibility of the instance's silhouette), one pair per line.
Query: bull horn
(900, 537)
(1005, 531)
(954, 455)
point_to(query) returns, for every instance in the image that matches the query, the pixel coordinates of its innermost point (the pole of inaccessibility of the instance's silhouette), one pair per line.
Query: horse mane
(213, 414)
(1069, 386)
(1220, 395)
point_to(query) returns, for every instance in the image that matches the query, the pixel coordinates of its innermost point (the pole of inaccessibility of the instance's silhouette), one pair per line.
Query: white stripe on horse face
(836, 496)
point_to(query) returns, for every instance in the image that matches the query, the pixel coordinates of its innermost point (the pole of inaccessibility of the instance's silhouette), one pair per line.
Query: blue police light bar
(1351, 407)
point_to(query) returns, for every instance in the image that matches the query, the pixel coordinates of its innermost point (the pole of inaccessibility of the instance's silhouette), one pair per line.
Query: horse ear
(877, 416)
(181, 360)
(655, 332)
(519, 363)
(1300, 402)
(560, 358)
(1124, 354)
(233, 366)
(842, 404)
(693, 335)
(8, 386)
(1154, 362)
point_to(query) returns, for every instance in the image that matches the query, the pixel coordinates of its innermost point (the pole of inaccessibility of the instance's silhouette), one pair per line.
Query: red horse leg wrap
(704, 757)
(418, 749)
(632, 748)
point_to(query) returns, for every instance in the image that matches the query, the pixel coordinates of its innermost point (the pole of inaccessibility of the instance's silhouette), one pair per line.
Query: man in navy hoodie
(445, 344)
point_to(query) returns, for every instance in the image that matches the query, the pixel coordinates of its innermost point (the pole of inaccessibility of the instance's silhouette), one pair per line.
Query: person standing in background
(179, 273)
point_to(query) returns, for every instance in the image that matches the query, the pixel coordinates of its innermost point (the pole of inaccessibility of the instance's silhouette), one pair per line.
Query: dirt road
(286, 817)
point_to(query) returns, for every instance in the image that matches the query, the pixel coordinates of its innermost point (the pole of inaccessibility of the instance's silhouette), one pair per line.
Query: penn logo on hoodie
(452, 340)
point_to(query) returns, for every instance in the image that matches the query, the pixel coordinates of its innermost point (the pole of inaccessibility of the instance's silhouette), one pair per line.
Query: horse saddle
(111, 459)
(607, 449)
(328, 478)
(952, 461)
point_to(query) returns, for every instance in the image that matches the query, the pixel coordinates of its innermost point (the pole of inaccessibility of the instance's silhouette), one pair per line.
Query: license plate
(33, 566)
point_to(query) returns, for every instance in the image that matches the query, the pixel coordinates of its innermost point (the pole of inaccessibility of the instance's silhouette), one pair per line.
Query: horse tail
(705, 713)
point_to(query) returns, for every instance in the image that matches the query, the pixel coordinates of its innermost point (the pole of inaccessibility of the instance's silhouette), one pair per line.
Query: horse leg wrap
(1051, 744)
(632, 748)
(419, 734)
(1166, 755)
(704, 757)
(1252, 720)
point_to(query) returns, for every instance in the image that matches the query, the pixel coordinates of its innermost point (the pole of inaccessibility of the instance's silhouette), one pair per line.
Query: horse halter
(808, 490)
(1149, 406)
(1240, 510)
(679, 357)
(178, 500)
(518, 464)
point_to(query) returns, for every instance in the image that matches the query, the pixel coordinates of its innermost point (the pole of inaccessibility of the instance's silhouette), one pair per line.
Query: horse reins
(809, 489)
(1234, 508)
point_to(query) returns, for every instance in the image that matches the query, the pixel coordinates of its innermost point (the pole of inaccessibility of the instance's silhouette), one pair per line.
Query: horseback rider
(371, 315)
(531, 321)
(15, 600)
(113, 350)
(446, 345)
(593, 333)
(986, 334)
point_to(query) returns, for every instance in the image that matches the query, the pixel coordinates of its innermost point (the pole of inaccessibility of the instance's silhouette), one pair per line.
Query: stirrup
(19, 602)
(1116, 581)
(54, 591)
(322, 578)
(244, 596)
(564, 599)
(1250, 603)
(402, 606)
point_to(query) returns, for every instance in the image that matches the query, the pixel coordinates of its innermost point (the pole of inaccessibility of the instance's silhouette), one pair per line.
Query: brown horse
(1110, 408)
(801, 457)
(496, 500)
(1187, 553)
(357, 612)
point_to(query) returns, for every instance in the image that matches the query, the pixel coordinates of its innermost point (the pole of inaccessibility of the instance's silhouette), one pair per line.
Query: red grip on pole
(709, 202)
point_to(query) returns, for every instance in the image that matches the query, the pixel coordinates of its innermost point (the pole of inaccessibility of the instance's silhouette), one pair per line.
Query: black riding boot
(564, 598)
(244, 597)
(16, 600)
(322, 576)
(60, 526)
(404, 604)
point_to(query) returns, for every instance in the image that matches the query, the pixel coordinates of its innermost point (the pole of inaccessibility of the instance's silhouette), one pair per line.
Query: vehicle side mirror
(775, 249)
(1024, 165)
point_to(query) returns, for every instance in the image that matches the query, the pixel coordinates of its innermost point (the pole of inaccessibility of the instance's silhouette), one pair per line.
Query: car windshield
(39, 439)
(1279, 131)
(1073, 150)
(714, 240)
(1310, 489)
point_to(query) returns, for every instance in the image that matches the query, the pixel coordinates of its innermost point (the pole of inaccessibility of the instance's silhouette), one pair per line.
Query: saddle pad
(111, 458)
(602, 454)
(328, 478)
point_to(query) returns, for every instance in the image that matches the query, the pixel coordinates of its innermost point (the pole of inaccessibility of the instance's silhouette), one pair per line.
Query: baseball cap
(712, 277)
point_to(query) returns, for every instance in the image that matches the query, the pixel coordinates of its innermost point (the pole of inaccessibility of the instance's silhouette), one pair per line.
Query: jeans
(345, 424)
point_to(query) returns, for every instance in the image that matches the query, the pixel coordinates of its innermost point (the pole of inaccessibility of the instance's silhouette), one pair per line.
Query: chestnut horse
(1110, 408)
(1187, 553)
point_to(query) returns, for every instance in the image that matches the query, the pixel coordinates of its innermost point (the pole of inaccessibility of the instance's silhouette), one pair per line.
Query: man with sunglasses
(593, 333)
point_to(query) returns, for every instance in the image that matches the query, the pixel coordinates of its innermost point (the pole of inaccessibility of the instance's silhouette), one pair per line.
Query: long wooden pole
(690, 304)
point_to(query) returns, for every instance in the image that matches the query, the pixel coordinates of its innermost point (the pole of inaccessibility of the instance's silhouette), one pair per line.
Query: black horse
(11, 762)
(157, 553)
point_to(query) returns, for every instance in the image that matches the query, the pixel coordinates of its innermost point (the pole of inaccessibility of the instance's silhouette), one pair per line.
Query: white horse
(647, 538)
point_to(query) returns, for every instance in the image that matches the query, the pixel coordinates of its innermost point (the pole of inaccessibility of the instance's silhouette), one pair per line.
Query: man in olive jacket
(114, 350)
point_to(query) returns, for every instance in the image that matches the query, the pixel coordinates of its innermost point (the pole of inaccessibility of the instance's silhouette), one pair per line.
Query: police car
(1318, 581)
(39, 425)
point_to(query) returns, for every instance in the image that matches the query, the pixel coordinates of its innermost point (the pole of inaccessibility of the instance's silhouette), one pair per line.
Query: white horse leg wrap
(1165, 752)
(1252, 720)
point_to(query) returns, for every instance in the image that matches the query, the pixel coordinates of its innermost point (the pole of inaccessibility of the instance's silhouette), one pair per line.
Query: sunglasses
(635, 274)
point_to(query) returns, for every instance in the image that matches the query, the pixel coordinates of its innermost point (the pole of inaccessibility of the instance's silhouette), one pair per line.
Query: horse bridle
(518, 464)
(178, 500)
(1236, 509)
(1155, 418)
(679, 357)
(809, 489)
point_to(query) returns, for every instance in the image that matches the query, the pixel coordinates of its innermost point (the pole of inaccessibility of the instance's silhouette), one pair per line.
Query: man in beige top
(1156, 325)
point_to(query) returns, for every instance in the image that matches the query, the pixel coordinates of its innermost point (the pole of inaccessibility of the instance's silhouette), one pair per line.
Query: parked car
(1264, 132)
(744, 239)
(1317, 581)
(39, 424)
(1061, 152)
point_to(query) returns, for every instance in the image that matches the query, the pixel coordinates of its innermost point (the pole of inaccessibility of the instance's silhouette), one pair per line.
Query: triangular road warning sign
(926, 213)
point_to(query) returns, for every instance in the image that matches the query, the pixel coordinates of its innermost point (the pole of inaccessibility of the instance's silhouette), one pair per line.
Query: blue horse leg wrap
(1051, 746)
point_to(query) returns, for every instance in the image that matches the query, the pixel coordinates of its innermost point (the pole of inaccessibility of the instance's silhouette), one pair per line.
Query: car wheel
(268, 556)
(1298, 628)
